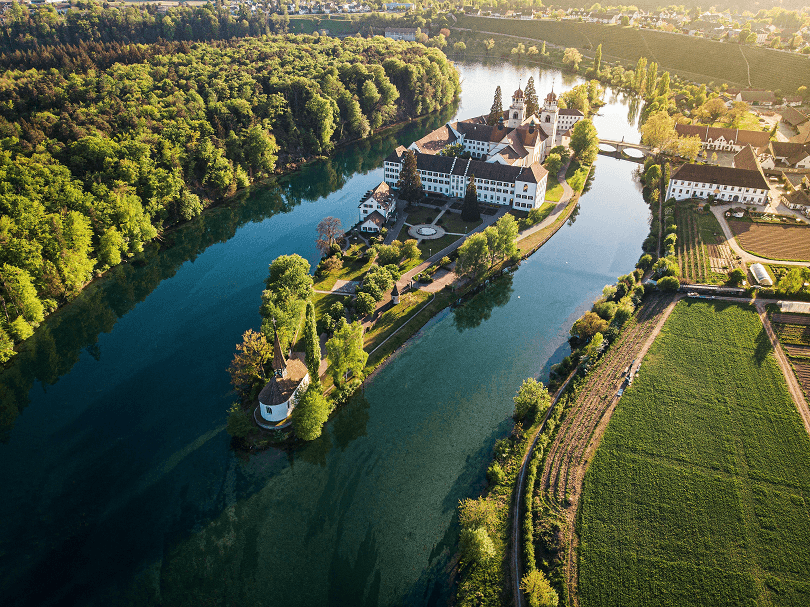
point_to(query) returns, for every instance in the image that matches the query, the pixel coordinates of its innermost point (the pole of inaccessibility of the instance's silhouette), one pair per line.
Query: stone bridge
(621, 146)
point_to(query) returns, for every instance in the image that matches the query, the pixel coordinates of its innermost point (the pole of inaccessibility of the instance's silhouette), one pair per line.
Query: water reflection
(56, 346)
(479, 308)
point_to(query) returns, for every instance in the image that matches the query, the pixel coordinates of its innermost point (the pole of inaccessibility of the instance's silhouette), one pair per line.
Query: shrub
(495, 474)
(334, 249)
(605, 309)
(239, 424)
(735, 277)
(502, 448)
(531, 399)
(445, 261)
(332, 264)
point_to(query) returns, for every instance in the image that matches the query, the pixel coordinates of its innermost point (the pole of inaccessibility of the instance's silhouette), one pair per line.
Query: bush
(532, 399)
(334, 249)
(444, 262)
(605, 309)
(502, 448)
(735, 277)
(239, 423)
(495, 474)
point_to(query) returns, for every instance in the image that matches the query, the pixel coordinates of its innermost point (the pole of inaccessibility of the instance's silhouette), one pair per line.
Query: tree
(553, 163)
(469, 211)
(6, 346)
(489, 45)
(410, 249)
(365, 304)
(640, 75)
(310, 413)
(588, 325)
(659, 132)
(736, 276)
(711, 111)
(18, 293)
(531, 399)
(645, 262)
(597, 59)
(313, 343)
(459, 47)
(110, 246)
(532, 104)
(689, 147)
(409, 184)
(593, 346)
(668, 283)
(651, 80)
(247, 366)
(537, 589)
(507, 230)
(476, 545)
(496, 111)
(345, 352)
(289, 278)
(738, 111)
(572, 58)
(330, 231)
(239, 424)
(473, 256)
(663, 85)
(585, 141)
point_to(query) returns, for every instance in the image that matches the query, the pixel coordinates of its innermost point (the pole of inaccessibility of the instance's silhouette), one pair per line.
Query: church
(280, 395)
(505, 158)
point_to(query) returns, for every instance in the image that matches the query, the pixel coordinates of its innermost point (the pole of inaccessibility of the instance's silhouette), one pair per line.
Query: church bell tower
(517, 111)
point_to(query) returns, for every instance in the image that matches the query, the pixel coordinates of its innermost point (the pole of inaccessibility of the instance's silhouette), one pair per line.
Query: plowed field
(773, 241)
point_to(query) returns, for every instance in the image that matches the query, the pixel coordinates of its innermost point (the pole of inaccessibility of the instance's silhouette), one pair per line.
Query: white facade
(567, 119)
(681, 190)
(277, 413)
(549, 116)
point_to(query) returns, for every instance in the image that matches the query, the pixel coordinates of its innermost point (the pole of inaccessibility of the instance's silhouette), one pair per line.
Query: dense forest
(96, 159)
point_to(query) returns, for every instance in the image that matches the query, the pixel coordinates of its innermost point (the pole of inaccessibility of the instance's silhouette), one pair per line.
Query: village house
(401, 33)
(376, 208)
(793, 118)
(722, 139)
(797, 201)
(723, 183)
(785, 154)
(757, 98)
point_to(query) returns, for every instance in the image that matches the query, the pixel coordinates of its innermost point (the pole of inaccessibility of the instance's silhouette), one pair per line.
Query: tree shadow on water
(479, 308)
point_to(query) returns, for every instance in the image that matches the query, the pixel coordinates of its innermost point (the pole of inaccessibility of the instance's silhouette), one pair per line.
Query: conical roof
(279, 362)
(518, 94)
(395, 290)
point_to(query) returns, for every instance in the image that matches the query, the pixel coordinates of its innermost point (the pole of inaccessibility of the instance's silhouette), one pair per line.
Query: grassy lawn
(534, 240)
(697, 493)
(351, 270)
(554, 190)
(749, 122)
(452, 222)
(421, 215)
(431, 247)
(394, 317)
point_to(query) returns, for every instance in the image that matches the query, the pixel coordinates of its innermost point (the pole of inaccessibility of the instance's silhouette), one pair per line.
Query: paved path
(564, 199)
(793, 385)
(732, 242)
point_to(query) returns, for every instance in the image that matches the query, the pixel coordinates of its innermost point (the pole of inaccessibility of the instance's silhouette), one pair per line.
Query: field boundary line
(572, 565)
(747, 65)
(787, 370)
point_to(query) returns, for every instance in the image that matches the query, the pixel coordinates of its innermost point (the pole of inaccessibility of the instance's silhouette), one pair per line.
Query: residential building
(785, 154)
(723, 183)
(798, 201)
(757, 98)
(568, 119)
(376, 207)
(722, 139)
(793, 117)
(401, 33)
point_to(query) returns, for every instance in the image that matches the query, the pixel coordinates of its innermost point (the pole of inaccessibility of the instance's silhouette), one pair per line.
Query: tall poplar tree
(409, 184)
(496, 111)
(532, 104)
(313, 354)
(652, 80)
(469, 212)
(641, 73)
(597, 60)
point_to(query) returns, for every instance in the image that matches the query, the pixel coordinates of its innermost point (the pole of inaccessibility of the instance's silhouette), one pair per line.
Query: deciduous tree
(313, 343)
(473, 256)
(531, 399)
(538, 591)
(310, 413)
(345, 352)
(585, 141)
(247, 366)
(588, 325)
(330, 231)
(572, 58)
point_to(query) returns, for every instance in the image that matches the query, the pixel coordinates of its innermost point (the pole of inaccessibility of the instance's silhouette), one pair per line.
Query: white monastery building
(724, 183)
(376, 207)
(505, 158)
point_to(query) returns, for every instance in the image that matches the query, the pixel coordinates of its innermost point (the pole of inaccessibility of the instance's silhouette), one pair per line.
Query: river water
(119, 484)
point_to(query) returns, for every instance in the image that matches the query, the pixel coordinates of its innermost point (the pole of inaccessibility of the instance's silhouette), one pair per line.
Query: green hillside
(696, 58)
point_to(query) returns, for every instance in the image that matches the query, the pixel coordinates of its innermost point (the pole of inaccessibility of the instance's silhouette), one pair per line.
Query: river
(119, 484)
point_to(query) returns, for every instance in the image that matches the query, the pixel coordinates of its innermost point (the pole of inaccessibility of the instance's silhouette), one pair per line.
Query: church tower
(279, 362)
(549, 116)
(517, 111)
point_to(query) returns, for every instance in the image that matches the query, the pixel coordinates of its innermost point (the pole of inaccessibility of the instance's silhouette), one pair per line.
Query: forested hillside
(96, 162)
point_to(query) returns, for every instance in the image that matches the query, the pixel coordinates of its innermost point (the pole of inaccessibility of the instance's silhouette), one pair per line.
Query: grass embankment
(688, 56)
(554, 190)
(697, 494)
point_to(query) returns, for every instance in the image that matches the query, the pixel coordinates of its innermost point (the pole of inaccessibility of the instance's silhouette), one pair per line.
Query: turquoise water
(120, 485)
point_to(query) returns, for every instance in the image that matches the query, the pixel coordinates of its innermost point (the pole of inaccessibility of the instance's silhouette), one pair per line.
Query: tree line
(94, 164)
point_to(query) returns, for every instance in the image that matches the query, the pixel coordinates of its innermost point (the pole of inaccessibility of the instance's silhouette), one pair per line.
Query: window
(525, 187)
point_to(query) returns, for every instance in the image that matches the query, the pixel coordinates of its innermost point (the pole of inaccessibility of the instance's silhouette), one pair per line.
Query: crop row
(793, 334)
(791, 319)
(697, 491)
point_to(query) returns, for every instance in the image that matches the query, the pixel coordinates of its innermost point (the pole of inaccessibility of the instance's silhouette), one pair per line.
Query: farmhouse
(785, 154)
(729, 140)
(504, 158)
(798, 201)
(279, 397)
(376, 207)
(401, 33)
(760, 98)
(723, 183)
(793, 117)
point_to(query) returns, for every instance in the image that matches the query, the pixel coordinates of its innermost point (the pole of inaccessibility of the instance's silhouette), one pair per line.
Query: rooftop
(279, 389)
(706, 173)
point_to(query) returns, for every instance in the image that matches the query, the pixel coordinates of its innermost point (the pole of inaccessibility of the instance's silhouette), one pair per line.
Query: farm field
(695, 58)
(793, 331)
(698, 492)
(773, 241)
(701, 259)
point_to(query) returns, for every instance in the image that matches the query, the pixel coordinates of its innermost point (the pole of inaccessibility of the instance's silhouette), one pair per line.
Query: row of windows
(699, 184)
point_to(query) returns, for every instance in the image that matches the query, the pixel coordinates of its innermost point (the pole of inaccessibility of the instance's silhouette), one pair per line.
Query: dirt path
(793, 385)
